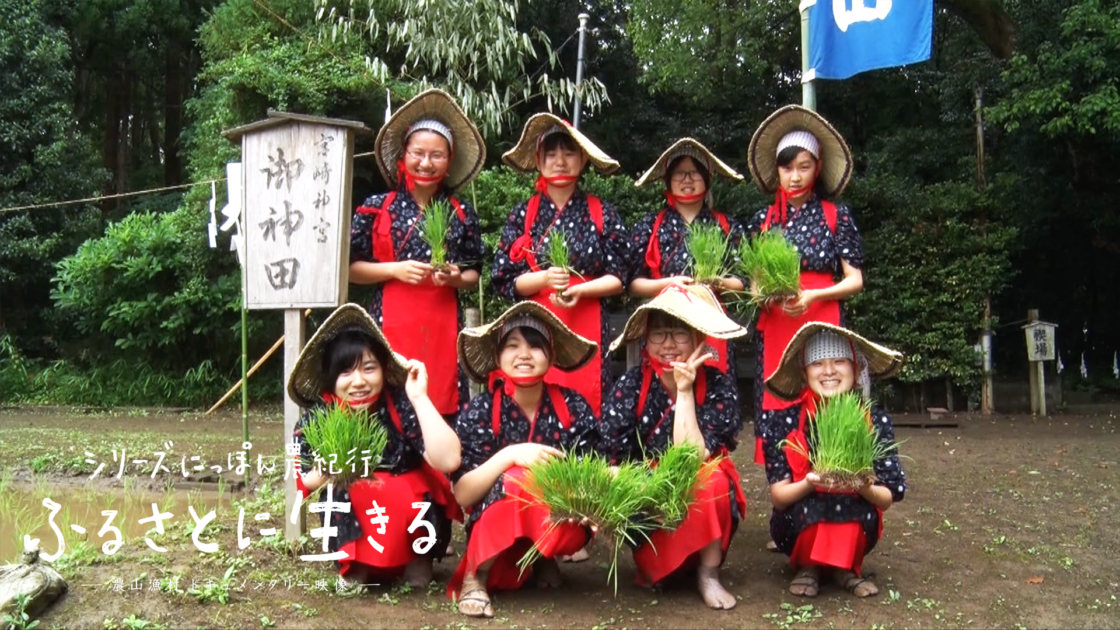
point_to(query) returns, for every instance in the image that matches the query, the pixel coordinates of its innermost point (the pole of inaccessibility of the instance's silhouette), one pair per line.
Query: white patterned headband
(801, 140)
(525, 321)
(433, 125)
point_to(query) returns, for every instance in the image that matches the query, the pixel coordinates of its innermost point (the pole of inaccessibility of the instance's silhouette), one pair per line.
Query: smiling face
(797, 175)
(669, 339)
(685, 179)
(360, 383)
(829, 377)
(523, 353)
(427, 154)
(560, 156)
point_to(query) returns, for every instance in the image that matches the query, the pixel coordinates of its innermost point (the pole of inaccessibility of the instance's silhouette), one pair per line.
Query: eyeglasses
(681, 176)
(661, 335)
(434, 157)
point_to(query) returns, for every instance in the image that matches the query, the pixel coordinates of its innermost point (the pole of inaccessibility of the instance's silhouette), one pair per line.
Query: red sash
(420, 321)
(653, 261)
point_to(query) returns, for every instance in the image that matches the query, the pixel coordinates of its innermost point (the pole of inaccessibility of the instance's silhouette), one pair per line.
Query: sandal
(806, 583)
(483, 610)
(856, 585)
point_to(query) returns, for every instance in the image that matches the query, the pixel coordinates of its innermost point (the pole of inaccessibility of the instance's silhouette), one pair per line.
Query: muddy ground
(1009, 522)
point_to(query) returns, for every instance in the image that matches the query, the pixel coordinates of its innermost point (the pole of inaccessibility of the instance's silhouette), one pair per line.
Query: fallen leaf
(1037, 579)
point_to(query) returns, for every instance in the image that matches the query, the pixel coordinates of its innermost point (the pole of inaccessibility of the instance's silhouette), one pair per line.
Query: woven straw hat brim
(478, 346)
(714, 164)
(789, 379)
(762, 154)
(702, 313)
(523, 157)
(469, 151)
(307, 381)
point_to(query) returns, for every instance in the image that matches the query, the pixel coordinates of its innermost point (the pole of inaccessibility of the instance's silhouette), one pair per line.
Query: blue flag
(847, 37)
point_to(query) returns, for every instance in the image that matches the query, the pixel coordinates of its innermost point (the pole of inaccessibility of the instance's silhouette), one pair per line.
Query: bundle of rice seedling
(559, 254)
(773, 267)
(673, 483)
(348, 434)
(435, 223)
(584, 487)
(707, 243)
(843, 444)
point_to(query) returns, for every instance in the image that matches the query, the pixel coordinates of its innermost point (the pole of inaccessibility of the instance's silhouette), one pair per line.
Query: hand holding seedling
(815, 481)
(412, 271)
(450, 276)
(796, 307)
(570, 297)
(684, 372)
(558, 278)
(417, 384)
(527, 454)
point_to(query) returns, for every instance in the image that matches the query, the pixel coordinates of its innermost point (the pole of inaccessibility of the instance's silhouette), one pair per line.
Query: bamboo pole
(256, 366)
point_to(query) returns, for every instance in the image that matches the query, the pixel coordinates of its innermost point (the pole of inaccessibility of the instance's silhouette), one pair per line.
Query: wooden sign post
(1040, 348)
(296, 182)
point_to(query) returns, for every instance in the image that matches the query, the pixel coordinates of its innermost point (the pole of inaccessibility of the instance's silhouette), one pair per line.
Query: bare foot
(713, 593)
(418, 573)
(854, 584)
(474, 601)
(771, 545)
(807, 582)
(547, 573)
(579, 556)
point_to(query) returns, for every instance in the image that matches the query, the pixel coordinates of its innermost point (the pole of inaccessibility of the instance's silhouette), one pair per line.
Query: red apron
(840, 545)
(420, 321)
(585, 320)
(777, 329)
(653, 261)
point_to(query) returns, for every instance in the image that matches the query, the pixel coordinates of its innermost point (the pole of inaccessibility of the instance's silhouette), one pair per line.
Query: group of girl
(407, 358)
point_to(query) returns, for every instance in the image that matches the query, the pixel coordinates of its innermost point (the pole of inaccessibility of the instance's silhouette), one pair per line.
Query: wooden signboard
(295, 218)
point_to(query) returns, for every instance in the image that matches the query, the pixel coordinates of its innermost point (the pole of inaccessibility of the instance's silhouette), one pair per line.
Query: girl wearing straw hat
(672, 398)
(797, 155)
(659, 241)
(349, 362)
(519, 421)
(596, 238)
(819, 528)
(429, 149)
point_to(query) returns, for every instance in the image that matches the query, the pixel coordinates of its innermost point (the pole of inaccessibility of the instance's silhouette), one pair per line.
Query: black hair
(345, 352)
(533, 337)
(700, 168)
(661, 319)
(559, 141)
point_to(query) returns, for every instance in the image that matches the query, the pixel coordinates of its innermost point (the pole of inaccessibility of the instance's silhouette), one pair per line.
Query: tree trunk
(112, 136)
(172, 114)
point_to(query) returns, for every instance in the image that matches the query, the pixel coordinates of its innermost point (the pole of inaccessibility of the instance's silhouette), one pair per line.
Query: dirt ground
(1008, 522)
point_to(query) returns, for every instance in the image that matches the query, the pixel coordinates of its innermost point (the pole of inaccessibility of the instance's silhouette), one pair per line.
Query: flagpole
(808, 87)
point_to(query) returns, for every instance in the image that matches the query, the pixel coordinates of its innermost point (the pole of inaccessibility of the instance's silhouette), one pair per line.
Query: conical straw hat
(788, 380)
(693, 149)
(762, 154)
(468, 150)
(695, 305)
(478, 346)
(523, 156)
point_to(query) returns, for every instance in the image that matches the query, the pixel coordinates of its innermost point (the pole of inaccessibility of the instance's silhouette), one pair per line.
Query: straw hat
(468, 148)
(523, 156)
(694, 304)
(789, 379)
(693, 149)
(478, 346)
(762, 153)
(308, 382)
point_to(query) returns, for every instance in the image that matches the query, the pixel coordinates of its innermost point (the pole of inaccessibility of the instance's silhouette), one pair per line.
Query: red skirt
(840, 545)
(396, 494)
(507, 530)
(709, 518)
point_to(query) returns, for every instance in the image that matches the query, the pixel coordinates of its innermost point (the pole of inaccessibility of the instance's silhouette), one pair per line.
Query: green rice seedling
(707, 244)
(585, 487)
(434, 226)
(843, 444)
(673, 483)
(348, 434)
(773, 267)
(559, 253)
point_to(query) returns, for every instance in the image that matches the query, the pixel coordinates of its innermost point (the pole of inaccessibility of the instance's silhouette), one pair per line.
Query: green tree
(44, 158)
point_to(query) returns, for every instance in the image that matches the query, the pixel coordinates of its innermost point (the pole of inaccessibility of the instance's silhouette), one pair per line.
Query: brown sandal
(807, 582)
(485, 610)
(856, 585)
